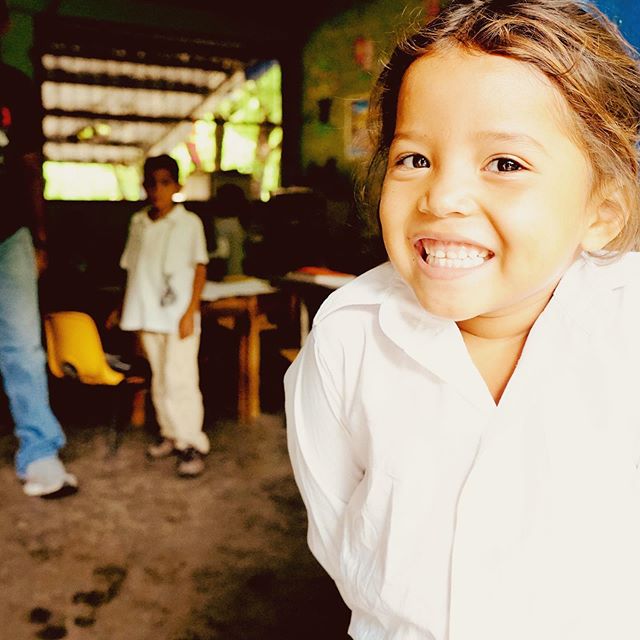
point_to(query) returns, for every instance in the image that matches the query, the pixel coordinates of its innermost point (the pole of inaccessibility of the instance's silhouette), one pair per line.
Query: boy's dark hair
(163, 161)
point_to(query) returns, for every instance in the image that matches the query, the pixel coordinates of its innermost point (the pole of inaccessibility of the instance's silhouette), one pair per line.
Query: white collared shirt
(172, 245)
(442, 516)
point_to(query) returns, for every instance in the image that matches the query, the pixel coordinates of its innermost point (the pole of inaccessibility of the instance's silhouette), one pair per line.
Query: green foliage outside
(249, 146)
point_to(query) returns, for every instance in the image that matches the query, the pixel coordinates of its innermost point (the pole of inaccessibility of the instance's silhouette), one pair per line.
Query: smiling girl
(462, 421)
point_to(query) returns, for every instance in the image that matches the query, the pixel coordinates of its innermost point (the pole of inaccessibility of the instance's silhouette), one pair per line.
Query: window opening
(107, 106)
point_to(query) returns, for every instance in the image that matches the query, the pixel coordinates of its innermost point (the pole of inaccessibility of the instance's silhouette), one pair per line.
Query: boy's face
(486, 199)
(160, 188)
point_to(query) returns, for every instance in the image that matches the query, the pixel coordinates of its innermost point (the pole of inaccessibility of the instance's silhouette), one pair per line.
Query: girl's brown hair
(571, 43)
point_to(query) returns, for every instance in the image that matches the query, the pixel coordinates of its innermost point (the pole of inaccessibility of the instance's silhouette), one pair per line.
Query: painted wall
(15, 46)
(333, 76)
(627, 14)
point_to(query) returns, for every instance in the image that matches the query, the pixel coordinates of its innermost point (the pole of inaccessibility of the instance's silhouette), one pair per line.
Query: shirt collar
(582, 298)
(433, 342)
(585, 293)
(175, 212)
(572, 316)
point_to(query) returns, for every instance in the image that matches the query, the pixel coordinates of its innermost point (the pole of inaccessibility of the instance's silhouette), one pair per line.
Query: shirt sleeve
(199, 253)
(322, 451)
(125, 258)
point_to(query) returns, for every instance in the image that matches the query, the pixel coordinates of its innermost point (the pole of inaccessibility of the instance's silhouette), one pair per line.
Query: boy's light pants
(175, 389)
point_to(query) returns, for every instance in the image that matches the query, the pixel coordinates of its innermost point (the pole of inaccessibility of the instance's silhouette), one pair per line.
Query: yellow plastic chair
(74, 350)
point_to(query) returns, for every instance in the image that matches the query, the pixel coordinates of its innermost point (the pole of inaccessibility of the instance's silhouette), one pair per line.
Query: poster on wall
(356, 134)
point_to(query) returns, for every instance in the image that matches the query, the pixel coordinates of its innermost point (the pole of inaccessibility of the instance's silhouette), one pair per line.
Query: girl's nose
(447, 193)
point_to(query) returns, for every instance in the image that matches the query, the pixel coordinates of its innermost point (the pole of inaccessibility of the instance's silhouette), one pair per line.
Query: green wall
(15, 46)
(332, 73)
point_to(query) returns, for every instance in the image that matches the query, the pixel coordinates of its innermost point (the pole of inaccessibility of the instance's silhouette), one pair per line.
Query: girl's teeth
(456, 258)
(457, 263)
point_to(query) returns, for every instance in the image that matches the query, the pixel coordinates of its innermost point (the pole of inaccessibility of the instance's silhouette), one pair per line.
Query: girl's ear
(609, 214)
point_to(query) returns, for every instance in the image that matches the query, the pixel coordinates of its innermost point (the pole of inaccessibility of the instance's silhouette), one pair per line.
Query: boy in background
(165, 258)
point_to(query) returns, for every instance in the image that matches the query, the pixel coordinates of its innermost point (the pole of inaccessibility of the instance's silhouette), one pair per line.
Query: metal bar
(106, 80)
(132, 117)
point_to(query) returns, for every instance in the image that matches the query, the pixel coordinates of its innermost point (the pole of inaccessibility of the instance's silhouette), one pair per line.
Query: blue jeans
(22, 360)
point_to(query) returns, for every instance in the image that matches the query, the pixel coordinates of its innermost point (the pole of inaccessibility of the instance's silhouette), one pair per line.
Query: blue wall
(627, 14)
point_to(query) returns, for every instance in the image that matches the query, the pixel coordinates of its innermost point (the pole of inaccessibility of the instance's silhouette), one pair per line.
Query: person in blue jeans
(22, 360)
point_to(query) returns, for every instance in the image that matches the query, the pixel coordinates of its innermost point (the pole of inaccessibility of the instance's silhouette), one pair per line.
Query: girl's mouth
(451, 255)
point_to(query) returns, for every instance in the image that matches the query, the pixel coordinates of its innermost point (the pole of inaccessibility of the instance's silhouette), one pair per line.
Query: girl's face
(486, 199)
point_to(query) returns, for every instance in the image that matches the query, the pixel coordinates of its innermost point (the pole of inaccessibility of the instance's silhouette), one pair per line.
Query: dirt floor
(139, 554)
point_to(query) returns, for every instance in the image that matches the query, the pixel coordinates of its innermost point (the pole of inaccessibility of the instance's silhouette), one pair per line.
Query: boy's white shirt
(173, 244)
(442, 516)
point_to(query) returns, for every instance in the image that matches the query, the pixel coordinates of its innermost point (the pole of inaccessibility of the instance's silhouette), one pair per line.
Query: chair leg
(120, 416)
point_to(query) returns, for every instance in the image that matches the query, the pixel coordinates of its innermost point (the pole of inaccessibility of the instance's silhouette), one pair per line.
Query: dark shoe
(190, 463)
(161, 449)
(69, 488)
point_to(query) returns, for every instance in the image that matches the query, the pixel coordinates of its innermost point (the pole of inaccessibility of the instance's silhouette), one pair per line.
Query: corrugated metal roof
(118, 99)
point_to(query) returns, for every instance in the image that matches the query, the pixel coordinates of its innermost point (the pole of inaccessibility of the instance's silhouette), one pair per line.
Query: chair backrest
(74, 349)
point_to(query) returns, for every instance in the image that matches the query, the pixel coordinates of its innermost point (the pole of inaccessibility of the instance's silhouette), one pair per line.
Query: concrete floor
(139, 554)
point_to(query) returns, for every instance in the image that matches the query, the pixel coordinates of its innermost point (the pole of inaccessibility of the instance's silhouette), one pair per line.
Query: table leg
(248, 322)
(253, 369)
(138, 411)
(244, 413)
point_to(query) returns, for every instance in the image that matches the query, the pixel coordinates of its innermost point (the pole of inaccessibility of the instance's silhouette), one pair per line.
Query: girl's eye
(502, 165)
(414, 161)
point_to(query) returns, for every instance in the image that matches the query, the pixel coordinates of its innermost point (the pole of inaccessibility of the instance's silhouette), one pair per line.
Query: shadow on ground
(139, 554)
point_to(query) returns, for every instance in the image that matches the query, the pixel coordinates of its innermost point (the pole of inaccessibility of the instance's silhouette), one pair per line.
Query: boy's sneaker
(190, 463)
(164, 448)
(47, 478)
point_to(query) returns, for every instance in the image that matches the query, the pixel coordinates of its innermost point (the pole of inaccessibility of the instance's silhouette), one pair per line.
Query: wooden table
(306, 293)
(243, 314)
